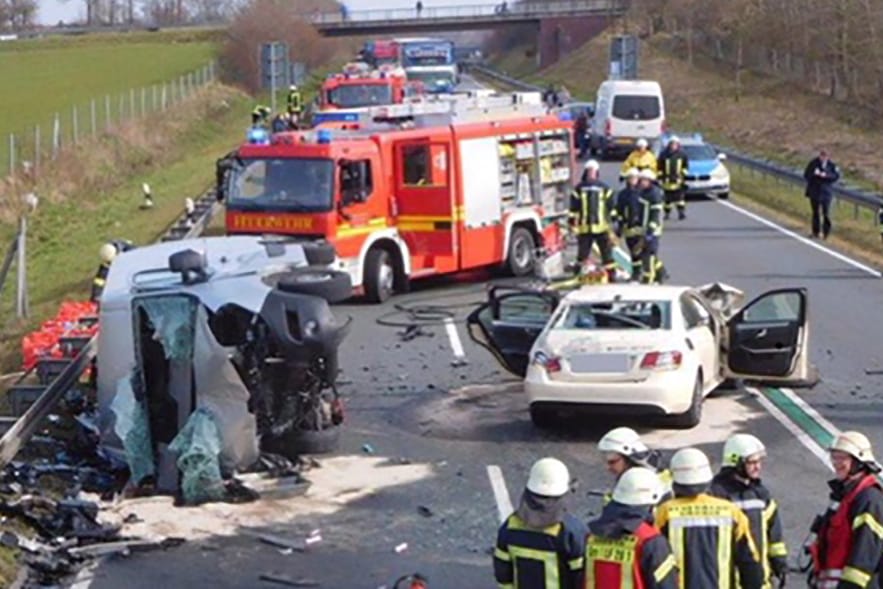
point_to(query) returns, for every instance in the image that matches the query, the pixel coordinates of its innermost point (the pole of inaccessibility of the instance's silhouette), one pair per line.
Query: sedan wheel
(693, 415)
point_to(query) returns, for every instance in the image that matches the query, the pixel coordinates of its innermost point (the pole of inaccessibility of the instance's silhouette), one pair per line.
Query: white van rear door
(636, 115)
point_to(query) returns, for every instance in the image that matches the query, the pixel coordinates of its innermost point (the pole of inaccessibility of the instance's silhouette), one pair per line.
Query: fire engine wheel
(521, 252)
(319, 253)
(379, 275)
(296, 442)
(331, 285)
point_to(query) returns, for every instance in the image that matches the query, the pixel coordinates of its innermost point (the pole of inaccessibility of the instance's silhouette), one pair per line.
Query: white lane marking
(792, 427)
(810, 410)
(456, 344)
(804, 240)
(501, 493)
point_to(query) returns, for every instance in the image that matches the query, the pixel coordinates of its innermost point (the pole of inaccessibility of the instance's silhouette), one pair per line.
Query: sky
(51, 11)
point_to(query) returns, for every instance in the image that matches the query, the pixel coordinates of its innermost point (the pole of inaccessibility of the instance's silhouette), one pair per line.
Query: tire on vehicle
(319, 253)
(332, 285)
(693, 415)
(521, 256)
(542, 417)
(296, 442)
(724, 195)
(379, 276)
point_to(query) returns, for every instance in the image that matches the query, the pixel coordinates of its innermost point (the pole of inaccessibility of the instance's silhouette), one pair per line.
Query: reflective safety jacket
(625, 550)
(99, 281)
(295, 103)
(711, 539)
(754, 499)
(640, 211)
(641, 160)
(591, 207)
(849, 543)
(672, 169)
(548, 558)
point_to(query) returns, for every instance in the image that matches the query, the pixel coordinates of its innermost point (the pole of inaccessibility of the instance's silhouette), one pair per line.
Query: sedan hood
(722, 297)
(565, 342)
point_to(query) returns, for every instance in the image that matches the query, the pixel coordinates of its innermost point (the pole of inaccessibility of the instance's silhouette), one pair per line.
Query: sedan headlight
(721, 174)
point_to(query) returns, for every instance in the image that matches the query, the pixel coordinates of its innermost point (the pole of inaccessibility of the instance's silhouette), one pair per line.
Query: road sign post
(624, 58)
(275, 68)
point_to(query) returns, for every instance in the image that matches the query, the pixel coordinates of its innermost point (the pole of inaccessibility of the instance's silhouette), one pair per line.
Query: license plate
(590, 363)
(623, 141)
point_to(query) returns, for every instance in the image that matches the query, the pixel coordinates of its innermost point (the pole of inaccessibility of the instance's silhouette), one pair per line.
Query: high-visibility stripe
(676, 535)
(621, 552)
(746, 504)
(505, 586)
(663, 570)
(548, 559)
(99, 281)
(502, 555)
(724, 556)
(778, 549)
(348, 230)
(576, 563)
(699, 521)
(868, 520)
(857, 576)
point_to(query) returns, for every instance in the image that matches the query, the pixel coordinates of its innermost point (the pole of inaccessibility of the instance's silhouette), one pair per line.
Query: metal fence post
(122, 105)
(11, 154)
(143, 101)
(56, 136)
(163, 103)
(21, 300)
(92, 115)
(76, 125)
(107, 112)
(131, 103)
(153, 101)
(36, 147)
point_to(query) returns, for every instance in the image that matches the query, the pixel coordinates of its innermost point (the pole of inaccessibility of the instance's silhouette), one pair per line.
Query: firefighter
(624, 548)
(650, 229)
(260, 117)
(591, 217)
(623, 450)
(641, 158)
(107, 253)
(849, 535)
(541, 545)
(672, 174)
(710, 536)
(739, 481)
(295, 104)
(628, 218)
(281, 122)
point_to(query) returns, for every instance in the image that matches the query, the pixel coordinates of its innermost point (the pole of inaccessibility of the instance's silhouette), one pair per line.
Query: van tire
(296, 442)
(319, 253)
(379, 278)
(521, 256)
(331, 285)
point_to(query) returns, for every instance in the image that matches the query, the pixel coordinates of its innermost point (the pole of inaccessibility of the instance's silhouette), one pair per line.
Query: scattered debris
(424, 511)
(874, 371)
(280, 542)
(401, 548)
(367, 448)
(288, 581)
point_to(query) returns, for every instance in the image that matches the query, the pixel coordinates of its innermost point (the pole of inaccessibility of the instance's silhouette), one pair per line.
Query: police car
(706, 173)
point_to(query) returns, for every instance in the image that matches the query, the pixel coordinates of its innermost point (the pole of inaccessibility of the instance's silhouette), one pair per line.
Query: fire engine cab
(360, 87)
(437, 187)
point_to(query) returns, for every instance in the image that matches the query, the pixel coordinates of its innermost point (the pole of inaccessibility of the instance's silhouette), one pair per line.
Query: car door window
(693, 317)
(779, 307)
(526, 308)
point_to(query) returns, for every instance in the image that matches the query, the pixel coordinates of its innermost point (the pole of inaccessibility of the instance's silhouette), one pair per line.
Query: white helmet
(107, 253)
(632, 173)
(647, 174)
(857, 445)
(674, 139)
(293, 87)
(549, 477)
(638, 486)
(739, 447)
(593, 165)
(622, 440)
(690, 467)
(641, 143)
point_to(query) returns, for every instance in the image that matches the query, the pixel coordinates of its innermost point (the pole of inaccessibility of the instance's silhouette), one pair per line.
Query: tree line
(831, 47)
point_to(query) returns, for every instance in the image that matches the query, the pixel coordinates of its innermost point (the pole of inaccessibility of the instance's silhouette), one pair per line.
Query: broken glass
(172, 318)
(198, 446)
(131, 426)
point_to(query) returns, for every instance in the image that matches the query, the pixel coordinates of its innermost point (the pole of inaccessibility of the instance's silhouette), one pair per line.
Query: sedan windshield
(282, 185)
(617, 315)
(699, 153)
(357, 96)
(432, 79)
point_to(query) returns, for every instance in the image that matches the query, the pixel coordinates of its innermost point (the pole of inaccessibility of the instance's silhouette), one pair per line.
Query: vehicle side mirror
(721, 156)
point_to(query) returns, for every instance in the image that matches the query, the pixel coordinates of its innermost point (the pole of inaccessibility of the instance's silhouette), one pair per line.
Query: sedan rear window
(617, 315)
(699, 152)
(635, 107)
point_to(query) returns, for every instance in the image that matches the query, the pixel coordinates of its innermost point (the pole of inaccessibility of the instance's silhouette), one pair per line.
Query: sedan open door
(509, 324)
(768, 339)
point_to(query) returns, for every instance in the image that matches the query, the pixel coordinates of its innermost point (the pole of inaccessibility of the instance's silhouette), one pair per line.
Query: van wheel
(520, 259)
(331, 285)
(296, 442)
(319, 253)
(693, 415)
(379, 276)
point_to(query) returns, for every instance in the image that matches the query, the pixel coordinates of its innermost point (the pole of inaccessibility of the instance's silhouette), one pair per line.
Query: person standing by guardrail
(820, 175)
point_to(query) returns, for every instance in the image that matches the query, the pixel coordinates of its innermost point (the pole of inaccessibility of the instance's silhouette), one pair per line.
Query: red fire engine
(360, 87)
(464, 182)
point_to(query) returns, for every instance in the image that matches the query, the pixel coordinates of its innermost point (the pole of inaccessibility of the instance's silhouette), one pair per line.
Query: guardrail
(843, 192)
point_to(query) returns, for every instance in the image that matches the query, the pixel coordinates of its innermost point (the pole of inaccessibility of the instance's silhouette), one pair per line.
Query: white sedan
(638, 349)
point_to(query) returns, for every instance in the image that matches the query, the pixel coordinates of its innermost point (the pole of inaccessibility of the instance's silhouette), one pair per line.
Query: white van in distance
(626, 110)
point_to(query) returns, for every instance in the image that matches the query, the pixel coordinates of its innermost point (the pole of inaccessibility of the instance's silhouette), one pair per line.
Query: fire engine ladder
(460, 108)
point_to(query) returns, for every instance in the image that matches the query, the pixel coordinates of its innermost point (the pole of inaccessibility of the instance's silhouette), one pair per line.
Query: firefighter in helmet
(624, 547)
(541, 545)
(591, 216)
(673, 164)
(848, 537)
(623, 450)
(260, 117)
(295, 103)
(107, 253)
(641, 158)
(739, 481)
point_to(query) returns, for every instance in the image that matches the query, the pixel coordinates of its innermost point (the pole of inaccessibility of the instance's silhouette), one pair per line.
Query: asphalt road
(439, 420)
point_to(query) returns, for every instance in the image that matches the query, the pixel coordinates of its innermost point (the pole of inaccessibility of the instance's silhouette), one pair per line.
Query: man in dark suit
(820, 174)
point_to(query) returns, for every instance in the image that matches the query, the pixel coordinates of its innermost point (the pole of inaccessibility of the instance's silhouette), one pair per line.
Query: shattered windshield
(617, 315)
(300, 184)
(355, 96)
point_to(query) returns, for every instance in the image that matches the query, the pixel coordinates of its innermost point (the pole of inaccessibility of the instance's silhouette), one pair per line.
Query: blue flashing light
(324, 136)
(336, 116)
(565, 115)
(258, 136)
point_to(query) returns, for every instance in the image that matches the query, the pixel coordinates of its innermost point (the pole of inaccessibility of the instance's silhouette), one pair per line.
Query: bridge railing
(497, 9)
